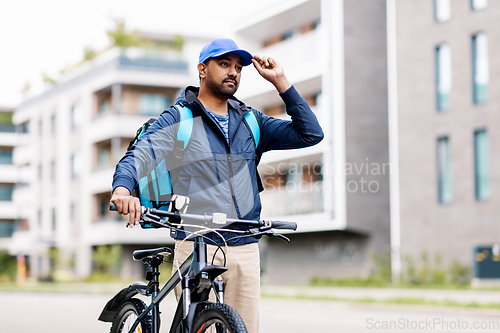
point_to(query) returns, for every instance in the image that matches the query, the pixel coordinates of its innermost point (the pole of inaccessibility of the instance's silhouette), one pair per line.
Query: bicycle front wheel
(220, 318)
(128, 314)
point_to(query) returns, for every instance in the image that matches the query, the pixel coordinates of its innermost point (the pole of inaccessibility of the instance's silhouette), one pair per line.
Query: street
(77, 313)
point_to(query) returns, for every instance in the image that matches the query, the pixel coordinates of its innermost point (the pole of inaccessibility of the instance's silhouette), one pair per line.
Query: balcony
(23, 195)
(8, 138)
(8, 210)
(23, 154)
(302, 57)
(25, 174)
(296, 51)
(108, 126)
(22, 241)
(100, 180)
(8, 173)
(138, 59)
(295, 199)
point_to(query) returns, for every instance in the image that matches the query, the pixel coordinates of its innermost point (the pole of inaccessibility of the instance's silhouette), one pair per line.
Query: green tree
(25, 90)
(89, 53)
(8, 266)
(121, 37)
(105, 257)
(47, 79)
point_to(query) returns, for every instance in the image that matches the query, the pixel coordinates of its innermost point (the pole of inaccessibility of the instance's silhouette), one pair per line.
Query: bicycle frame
(197, 279)
(196, 276)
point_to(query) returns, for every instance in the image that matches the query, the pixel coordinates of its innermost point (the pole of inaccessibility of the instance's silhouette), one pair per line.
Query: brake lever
(282, 237)
(268, 232)
(153, 220)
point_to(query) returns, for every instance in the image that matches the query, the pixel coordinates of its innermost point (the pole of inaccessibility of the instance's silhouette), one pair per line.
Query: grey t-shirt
(222, 122)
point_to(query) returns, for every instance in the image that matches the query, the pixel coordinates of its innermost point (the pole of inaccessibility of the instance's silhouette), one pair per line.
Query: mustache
(230, 80)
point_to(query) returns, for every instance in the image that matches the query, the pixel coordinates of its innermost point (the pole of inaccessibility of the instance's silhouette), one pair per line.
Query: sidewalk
(383, 294)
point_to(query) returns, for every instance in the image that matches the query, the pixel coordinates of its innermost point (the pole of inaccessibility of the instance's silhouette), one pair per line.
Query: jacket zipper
(229, 160)
(231, 168)
(230, 163)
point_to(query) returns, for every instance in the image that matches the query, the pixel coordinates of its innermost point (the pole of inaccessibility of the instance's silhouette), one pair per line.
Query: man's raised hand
(272, 71)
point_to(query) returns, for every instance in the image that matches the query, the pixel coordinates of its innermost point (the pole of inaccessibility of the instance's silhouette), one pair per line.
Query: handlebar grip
(112, 207)
(284, 225)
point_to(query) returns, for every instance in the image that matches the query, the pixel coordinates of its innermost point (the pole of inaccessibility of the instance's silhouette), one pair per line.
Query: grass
(65, 287)
(377, 283)
(398, 300)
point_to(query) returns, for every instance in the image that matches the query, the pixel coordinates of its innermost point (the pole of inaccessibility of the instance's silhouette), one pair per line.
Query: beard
(223, 89)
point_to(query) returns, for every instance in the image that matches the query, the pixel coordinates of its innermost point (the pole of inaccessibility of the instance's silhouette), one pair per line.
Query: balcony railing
(7, 128)
(127, 60)
(296, 51)
(293, 199)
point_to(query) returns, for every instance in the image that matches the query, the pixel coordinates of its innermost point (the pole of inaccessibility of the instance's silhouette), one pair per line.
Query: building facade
(11, 218)
(448, 75)
(404, 91)
(337, 191)
(80, 128)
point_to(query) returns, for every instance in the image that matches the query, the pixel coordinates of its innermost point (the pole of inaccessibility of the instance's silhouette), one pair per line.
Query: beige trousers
(242, 279)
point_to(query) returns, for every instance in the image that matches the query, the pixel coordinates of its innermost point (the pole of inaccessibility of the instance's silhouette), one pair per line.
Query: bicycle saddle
(141, 254)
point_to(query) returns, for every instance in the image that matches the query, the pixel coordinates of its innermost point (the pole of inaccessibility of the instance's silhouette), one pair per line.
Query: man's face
(223, 74)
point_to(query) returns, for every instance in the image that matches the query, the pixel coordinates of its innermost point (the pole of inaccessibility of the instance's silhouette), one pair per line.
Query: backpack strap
(184, 130)
(253, 125)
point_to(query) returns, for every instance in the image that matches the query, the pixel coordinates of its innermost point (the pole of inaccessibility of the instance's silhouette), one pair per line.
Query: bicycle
(194, 313)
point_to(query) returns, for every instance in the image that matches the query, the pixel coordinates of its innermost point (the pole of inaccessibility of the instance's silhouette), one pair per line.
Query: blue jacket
(215, 175)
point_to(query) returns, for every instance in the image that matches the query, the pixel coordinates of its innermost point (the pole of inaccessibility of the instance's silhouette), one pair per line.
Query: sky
(46, 36)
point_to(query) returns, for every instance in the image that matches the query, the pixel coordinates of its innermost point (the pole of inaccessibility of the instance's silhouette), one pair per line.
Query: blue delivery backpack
(155, 189)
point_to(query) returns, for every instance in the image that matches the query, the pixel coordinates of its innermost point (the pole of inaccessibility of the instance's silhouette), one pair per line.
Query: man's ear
(202, 71)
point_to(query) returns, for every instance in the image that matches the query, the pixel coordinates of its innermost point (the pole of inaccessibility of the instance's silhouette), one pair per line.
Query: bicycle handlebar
(209, 219)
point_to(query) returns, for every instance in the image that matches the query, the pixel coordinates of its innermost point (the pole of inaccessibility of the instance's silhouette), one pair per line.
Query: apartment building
(79, 129)
(334, 52)
(11, 217)
(446, 79)
(404, 91)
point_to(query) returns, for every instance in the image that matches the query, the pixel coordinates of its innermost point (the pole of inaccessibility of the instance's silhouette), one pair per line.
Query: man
(218, 170)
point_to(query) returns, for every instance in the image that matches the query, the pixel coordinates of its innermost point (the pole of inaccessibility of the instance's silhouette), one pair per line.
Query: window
(23, 127)
(5, 155)
(76, 115)
(7, 228)
(293, 177)
(480, 74)
(104, 107)
(442, 10)
(154, 104)
(54, 219)
(103, 208)
(289, 34)
(478, 4)
(482, 165)
(104, 157)
(53, 170)
(75, 165)
(443, 77)
(53, 124)
(444, 177)
(6, 192)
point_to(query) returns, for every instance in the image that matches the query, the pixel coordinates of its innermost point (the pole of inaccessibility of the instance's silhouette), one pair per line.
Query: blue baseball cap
(222, 46)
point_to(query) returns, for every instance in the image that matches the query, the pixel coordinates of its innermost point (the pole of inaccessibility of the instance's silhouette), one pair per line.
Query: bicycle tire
(221, 316)
(127, 315)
